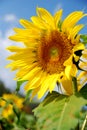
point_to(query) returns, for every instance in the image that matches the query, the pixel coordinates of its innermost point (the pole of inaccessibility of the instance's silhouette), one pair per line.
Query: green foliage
(84, 39)
(5, 124)
(19, 83)
(29, 119)
(82, 117)
(28, 95)
(59, 112)
(20, 119)
(83, 91)
(25, 122)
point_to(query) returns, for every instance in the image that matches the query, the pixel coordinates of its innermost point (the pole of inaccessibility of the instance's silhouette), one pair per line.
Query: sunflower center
(54, 49)
(53, 52)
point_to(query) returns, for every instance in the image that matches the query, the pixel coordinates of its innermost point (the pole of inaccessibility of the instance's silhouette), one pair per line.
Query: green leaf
(83, 91)
(84, 38)
(16, 111)
(19, 83)
(60, 113)
(28, 95)
(5, 125)
(27, 121)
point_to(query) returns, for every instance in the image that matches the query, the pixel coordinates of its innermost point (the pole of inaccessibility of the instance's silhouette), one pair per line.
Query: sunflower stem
(74, 84)
(84, 123)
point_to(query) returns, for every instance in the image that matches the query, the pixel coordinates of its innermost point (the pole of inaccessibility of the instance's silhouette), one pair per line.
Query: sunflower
(82, 77)
(48, 52)
(7, 107)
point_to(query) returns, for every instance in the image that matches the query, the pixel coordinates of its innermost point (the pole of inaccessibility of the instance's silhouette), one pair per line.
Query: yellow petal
(34, 83)
(14, 48)
(27, 24)
(71, 71)
(74, 31)
(53, 80)
(16, 64)
(79, 46)
(43, 89)
(82, 79)
(39, 22)
(67, 71)
(46, 16)
(20, 49)
(28, 33)
(83, 58)
(32, 73)
(25, 38)
(67, 85)
(24, 57)
(25, 70)
(84, 55)
(68, 62)
(84, 51)
(76, 58)
(57, 16)
(83, 65)
(45, 84)
(72, 19)
(35, 91)
(82, 75)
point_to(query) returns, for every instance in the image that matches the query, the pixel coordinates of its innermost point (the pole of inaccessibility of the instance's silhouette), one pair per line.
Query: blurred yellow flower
(7, 106)
(82, 77)
(47, 55)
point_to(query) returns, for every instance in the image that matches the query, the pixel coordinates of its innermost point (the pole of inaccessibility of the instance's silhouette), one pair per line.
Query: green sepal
(19, 83)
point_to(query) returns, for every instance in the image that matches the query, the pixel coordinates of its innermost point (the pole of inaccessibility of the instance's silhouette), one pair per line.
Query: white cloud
(5, 75)
(10, 18)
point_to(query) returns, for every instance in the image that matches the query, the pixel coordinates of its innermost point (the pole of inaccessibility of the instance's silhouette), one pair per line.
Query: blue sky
(26, 8)
(13, 10)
